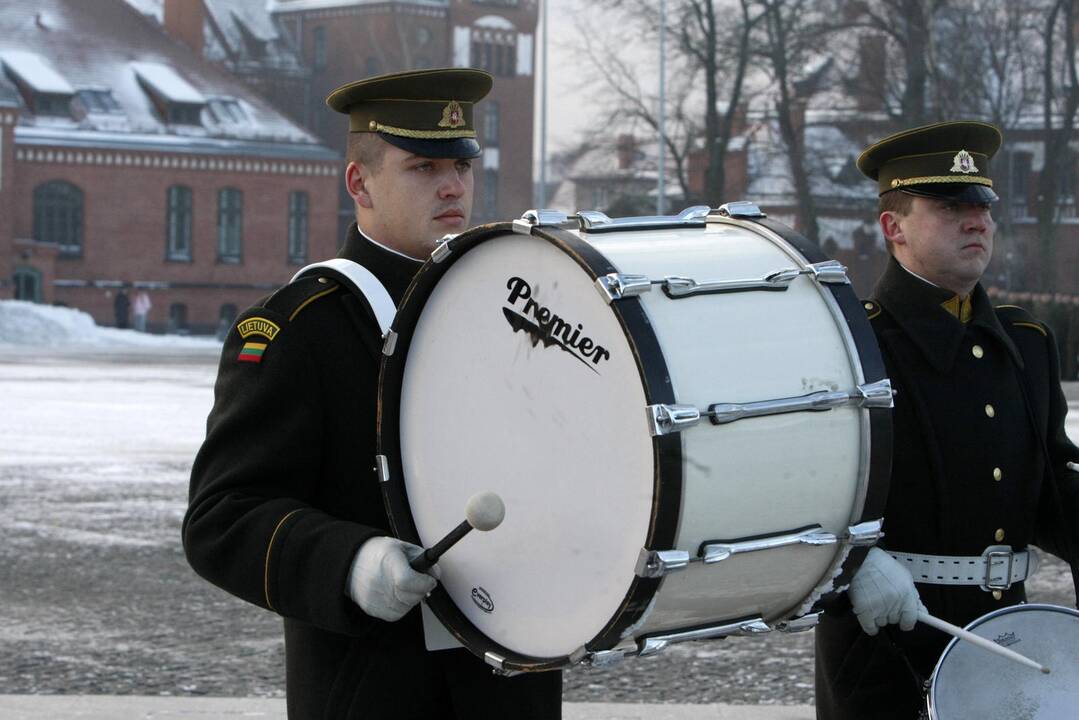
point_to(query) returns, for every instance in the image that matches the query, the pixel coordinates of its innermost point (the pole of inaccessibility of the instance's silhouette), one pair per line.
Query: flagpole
(542, 195)
(661, 161)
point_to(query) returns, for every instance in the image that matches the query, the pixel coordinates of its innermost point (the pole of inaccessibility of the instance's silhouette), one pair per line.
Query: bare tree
(707, 53)
(1060, 102)
(791, 32)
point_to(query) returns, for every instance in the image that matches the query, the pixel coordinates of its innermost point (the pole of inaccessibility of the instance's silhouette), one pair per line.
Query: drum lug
(657, 643)
(714, 552)
(657, 563)
(666, 419)
(443, 250)
(877, 395)
(865, 534)
(739, 209)
(603, 658)
(830, 272)
(538, 218)
(799, 624)
(615, 286)
(382, 468)
(390, 343)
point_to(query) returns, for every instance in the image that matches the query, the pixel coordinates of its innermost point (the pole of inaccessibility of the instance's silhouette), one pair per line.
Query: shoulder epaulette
(290, 300)
(872, 309)
(1019, 317)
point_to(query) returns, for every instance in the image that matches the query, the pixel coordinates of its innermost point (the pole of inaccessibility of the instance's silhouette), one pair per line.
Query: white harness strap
(360, 281)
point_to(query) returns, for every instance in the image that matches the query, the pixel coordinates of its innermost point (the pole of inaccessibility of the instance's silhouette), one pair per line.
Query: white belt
(995, 569)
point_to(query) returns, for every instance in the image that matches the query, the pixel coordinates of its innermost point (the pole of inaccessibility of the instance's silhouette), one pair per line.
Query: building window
(490, 193)
(230, 225)
(297, 227)
(320, 47)
(1019, 167)
(52, 104)
(99, 101)
(495, 52)
(177, 319)
(178, 224)
(58, 216)
(184, 114)
(27, 284)
(490, 124)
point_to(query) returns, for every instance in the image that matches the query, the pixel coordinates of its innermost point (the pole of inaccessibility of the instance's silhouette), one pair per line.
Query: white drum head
(564, 436)
(972, 683)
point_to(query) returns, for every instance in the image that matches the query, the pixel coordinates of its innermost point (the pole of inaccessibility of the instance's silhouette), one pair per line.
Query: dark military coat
(980, 459)
(284, 492)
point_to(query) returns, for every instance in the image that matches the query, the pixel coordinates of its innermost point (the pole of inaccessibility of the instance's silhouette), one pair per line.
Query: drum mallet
(978, 640)
(483, 511)
(1073, 466)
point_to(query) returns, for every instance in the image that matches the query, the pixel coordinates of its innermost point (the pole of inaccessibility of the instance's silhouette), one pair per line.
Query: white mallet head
(485, 511)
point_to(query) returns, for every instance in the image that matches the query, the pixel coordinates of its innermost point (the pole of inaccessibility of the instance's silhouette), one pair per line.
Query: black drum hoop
(667, 449)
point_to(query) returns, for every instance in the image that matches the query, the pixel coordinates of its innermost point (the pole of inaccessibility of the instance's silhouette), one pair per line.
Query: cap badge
(453, 115)
(963, 162)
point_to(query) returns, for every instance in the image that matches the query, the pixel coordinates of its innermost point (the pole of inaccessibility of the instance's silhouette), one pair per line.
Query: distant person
(141, 307)
(120, 306)
(285, 506)
(980, 467)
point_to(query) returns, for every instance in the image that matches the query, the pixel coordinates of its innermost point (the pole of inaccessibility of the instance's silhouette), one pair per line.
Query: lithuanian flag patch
(252, 352)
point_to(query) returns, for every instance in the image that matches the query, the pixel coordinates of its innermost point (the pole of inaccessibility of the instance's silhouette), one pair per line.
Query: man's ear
(889, 225)
(357, 179)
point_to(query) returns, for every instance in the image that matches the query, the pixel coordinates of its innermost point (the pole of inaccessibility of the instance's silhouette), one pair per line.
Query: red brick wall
(124, 231)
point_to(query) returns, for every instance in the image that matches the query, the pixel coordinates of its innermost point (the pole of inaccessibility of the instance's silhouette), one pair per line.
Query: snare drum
(969, 682)
(686, 418)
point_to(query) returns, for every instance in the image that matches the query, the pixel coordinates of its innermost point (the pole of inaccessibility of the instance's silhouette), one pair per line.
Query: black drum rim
(667, 449)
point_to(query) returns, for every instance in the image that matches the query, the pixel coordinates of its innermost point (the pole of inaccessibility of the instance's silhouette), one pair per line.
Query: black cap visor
(459, 148)
(955, 192)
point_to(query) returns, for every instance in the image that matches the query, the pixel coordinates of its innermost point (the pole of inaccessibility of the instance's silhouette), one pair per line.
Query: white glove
(883, 593)
(381, 581)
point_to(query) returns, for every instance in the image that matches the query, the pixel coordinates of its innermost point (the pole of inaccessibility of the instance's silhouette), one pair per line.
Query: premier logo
(547, 327)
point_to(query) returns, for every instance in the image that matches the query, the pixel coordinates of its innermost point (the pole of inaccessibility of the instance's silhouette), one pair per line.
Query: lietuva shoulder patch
(290, 300)
(1019, 317)
(872, 309)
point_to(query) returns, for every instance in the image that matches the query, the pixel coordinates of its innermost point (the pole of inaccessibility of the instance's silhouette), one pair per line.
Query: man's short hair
(898, 202)
(366, 149)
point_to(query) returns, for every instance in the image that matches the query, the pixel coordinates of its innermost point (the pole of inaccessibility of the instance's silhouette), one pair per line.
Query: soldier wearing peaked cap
(285, 509)
(981, 458)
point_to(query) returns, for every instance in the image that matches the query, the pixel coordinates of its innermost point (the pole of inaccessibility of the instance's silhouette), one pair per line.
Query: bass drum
(686, 418)
(968, 682)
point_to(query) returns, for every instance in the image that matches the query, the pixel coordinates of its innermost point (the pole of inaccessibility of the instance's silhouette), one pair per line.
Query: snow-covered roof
(35, 72)
(275, 6)
(114, 46)
(166, 83)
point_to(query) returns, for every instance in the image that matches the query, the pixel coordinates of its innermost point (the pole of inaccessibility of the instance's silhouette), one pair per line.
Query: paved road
(98, 599)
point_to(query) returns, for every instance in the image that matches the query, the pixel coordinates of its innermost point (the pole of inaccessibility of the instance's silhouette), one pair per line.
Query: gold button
(997, 474)
(999, 535)
(990, 411)
(867, 306)
(977, 351)
(373, 125)
(323, 280)
(997, 594)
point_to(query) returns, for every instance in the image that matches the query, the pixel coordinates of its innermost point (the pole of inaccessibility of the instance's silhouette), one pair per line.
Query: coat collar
(919, 308)
(393, 269)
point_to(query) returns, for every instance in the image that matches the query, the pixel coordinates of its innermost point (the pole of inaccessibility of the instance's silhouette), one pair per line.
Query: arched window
(178, 224)
(230, 225)
(58, 216)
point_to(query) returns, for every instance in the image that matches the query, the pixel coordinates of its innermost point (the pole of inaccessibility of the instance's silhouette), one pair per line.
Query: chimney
(184, 20)
(627, 149)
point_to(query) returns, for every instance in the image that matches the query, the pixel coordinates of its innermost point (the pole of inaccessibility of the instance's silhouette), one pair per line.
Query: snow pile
(30, 324)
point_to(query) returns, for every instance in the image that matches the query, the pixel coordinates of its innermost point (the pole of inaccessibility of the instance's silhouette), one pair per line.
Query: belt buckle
(991, 554)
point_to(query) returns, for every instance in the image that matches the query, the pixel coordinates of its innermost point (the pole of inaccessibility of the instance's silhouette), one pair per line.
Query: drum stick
(484, 512)
(1073, 466)
(978, 640)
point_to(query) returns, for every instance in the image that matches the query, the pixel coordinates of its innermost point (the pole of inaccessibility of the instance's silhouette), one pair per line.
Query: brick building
(129, 162)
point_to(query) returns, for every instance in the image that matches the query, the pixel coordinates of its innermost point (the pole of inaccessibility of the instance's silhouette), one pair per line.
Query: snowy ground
(96, 443)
